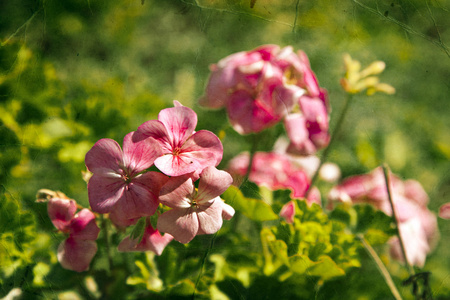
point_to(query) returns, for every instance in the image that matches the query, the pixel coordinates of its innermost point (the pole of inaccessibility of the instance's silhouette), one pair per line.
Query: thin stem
(211, 245)
(384, 272)
(107, 242)
(394, 217)
(326, 152)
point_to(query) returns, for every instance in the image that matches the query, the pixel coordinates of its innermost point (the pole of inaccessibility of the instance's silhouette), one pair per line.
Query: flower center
(176, 151)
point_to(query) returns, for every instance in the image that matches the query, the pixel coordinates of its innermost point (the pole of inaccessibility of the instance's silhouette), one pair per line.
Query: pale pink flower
(417, 225)
(151, 241)
(194, 211)
(183, 150)
(76, 252)
(444, 211)
(119, 181)
(273, 170)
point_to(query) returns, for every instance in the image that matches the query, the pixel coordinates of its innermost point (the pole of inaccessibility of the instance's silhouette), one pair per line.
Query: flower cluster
(122, 186)
(417, 224)
(261, 87)
(76, 252)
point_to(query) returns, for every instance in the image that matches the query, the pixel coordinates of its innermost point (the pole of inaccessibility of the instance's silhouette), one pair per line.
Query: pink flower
(262, 86)
(76, 252)
(288, 212)
(151, 241)
(417, 225)
(253, 88)
(194, 211)
(308, 130)
(444, 211)
(273, 170)
(119, 182)
(183, 150)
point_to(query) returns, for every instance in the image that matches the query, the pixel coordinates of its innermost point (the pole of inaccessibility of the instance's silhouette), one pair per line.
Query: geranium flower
(194, 211)
(259, 88)
(183, 150)
(118, 182)
(151, 241)
(76, 252)
(273, 170)
(417, 225)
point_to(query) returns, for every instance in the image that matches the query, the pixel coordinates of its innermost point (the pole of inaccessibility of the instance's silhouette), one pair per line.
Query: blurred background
(72, 72)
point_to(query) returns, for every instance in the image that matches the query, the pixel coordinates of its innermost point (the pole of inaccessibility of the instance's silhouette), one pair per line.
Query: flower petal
(83, 226)
(181, 223)
(288, 212)
(177, 192)
(227, 211)
(212, 184)
(204, 147)
(138, 201)
(105, 157)
(180, 122)
(61, 212)
(76, 255)
(104, 192)
(210, 217)
(139, 155)
(444, 211)
(156, 130)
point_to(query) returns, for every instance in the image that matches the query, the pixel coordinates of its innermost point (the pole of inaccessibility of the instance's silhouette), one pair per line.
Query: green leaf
(325, 267)
(254, 209)
(138, 230)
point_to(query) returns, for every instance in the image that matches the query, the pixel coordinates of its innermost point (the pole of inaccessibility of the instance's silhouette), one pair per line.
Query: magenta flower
(417, 225)
(151, 241)
(76, 252)
(119, 182)
(183, 150)
(194, 211)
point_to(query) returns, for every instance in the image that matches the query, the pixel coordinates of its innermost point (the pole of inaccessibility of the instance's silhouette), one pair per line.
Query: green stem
(107, 242)
(326, 152)
(384, 272)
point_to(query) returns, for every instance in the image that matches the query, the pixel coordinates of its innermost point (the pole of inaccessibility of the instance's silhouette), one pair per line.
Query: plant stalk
(326, 152)
(384, 272)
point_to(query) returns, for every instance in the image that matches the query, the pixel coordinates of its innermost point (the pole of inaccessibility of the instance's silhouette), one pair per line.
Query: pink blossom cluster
(76, 252)
(417, 224)
(264, 86)
(123, 186)
(276, 171)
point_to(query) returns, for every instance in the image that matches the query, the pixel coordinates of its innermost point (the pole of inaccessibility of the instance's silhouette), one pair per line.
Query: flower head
(356, 81)
(194, 211)
(273, 170)
(76, 252)
(183, 150)
(118, 181)
(417, 225)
